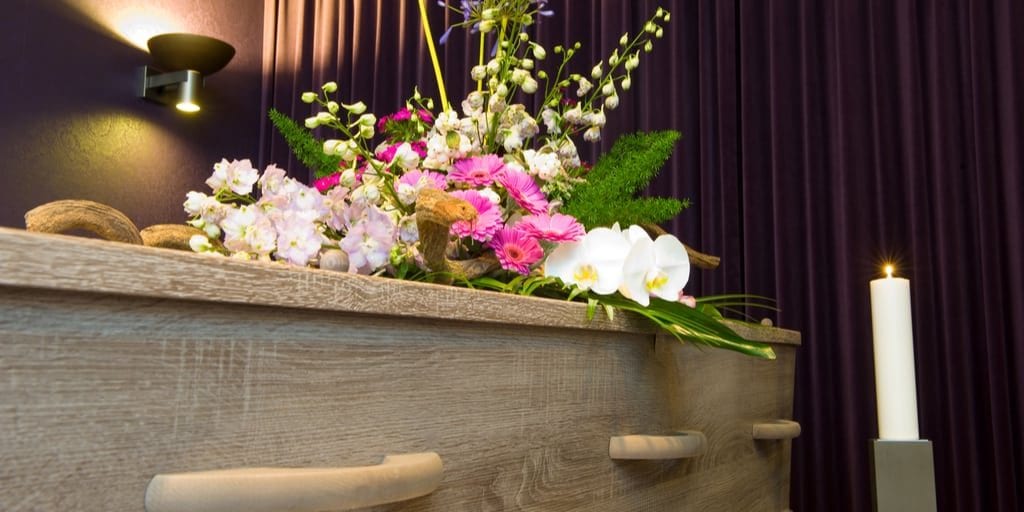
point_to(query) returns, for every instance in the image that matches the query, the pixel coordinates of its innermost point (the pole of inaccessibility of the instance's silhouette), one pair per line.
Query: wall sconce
(180, 64)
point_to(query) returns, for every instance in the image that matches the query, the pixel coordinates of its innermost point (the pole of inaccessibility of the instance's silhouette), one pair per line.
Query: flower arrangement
(492, 195)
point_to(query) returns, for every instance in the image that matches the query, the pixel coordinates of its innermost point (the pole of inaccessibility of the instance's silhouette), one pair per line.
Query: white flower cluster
(607, 260)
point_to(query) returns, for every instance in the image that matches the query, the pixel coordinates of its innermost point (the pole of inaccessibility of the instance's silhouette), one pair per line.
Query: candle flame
(888, 271)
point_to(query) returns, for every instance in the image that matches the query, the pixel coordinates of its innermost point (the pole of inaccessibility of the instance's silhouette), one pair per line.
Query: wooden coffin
(119, 363)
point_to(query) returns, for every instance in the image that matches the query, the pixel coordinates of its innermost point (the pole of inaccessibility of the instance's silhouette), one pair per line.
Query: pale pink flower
(478, 171)
(556, 227)
(237, 175)
(424, 179)
(298, 240)
(524, 191)
(516, 250)
(272, 180)
(688, 300)
(488, 217)
(369, 242)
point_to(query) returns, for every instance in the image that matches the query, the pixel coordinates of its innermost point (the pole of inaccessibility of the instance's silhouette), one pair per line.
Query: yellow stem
(480, 83)
(433, 55)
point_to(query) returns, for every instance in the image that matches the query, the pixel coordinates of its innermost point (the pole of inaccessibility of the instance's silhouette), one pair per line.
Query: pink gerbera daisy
(429, 179)
(516, 250)
(478, 171)
(524, 190)
(488, 217)
(553, 228)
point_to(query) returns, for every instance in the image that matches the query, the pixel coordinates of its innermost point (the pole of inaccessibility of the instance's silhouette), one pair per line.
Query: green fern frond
(304, 145)
(609, 193)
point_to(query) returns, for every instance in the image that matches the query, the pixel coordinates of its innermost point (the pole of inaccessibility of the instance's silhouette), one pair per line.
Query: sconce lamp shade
(180, 64)
(175, 52)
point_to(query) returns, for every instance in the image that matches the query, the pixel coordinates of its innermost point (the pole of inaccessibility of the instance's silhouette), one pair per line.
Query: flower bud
(527, 64)
(486, 26)
(334, 146)
(529, 86)
(330, 87)
(371, 193)
(608, 89)
(478, 72)
(539, 53)
(626, 83)
(312, 122)
(650, 27)
(356, 108)
(624, 40)
(523, 37)
(501, 90)
(519, 76)
(429, 103)
(490, 14)
(596, 72)
(633, 62)
(543, 75)
(648, 46)
(200, 243)
(666, 16)
(308, 97)
(367, 120)
(614, 59)
(366, 132)
(659, 13)
(659, 33)
(212, 230)
(333, 107)
(493, 67)
(611, 101)
(348, 178)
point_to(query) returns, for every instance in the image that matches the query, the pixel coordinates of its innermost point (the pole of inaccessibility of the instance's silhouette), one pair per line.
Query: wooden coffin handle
(397, 478)
(71, 214)
(776, 430)
(684, 445)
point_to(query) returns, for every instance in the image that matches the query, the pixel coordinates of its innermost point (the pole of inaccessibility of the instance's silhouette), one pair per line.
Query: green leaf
(591, 308)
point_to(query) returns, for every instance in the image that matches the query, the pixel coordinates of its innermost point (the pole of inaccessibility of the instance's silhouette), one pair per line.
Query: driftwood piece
(436, 211)
(697, 258)
(170, 236)
(71, 214)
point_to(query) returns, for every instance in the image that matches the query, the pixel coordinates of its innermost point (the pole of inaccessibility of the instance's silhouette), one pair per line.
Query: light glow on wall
(132, 23)
(137, 25)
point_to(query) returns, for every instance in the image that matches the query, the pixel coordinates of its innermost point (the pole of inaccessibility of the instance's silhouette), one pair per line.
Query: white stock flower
(406, 157)
(542, 165)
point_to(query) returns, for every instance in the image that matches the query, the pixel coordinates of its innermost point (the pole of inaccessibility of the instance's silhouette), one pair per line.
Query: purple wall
(70, 126)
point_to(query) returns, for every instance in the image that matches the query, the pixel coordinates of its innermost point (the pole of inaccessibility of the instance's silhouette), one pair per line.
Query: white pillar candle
(895, 386)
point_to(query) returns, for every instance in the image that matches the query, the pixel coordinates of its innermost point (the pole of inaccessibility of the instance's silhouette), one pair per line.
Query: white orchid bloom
(658, 268)
(594, 263)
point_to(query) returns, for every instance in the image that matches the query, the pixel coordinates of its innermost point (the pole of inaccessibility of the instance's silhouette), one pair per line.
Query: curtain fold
(819, 139)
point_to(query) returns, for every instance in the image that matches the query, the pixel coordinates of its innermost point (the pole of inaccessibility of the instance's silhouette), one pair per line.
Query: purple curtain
(819, 139)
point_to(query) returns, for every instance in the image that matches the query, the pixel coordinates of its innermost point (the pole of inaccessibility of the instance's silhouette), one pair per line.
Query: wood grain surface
(105, 382)
(70, 263)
